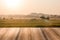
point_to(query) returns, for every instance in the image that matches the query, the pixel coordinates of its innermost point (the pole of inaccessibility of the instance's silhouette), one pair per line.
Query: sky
(24, 7)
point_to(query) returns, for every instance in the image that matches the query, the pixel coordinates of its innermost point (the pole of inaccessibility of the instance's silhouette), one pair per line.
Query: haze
(25, 7)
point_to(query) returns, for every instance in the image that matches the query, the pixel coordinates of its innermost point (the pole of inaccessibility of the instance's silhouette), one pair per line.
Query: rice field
(29, 23)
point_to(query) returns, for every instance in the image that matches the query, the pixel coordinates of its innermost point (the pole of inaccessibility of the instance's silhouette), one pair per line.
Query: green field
(29, 23)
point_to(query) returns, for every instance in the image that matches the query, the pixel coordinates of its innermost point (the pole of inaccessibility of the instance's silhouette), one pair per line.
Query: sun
(14, 3)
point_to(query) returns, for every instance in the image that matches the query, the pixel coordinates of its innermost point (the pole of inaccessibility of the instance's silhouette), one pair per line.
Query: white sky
(29, 6)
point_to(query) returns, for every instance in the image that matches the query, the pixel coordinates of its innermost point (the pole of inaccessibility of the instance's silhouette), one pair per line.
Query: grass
(29, 23)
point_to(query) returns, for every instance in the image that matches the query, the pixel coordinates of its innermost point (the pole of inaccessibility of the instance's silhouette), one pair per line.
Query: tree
(45, 17)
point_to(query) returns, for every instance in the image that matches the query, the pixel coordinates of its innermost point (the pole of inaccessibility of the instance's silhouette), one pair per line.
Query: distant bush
(3, 18)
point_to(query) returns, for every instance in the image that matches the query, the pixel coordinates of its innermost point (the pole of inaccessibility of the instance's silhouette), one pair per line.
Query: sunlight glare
(14, 3)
